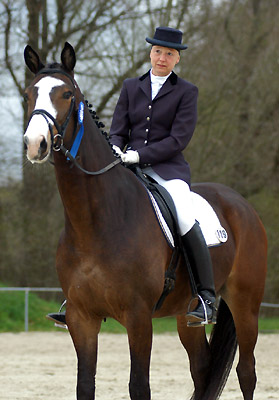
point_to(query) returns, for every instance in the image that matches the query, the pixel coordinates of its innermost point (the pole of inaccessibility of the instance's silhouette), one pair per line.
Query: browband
(50, 71)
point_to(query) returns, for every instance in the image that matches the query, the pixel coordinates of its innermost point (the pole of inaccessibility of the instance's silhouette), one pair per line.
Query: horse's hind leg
(244, 295)
(244, 292)
(139, 329)
(246, 366)
(246, 324)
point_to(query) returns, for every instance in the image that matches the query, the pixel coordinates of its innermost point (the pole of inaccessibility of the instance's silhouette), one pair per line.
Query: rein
(100, 172)
(70, 154)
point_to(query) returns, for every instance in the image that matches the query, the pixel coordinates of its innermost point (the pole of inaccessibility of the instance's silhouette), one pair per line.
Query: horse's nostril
(43, 145)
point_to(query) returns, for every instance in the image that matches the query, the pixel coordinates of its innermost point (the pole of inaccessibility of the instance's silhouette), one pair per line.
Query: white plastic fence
(46, 289)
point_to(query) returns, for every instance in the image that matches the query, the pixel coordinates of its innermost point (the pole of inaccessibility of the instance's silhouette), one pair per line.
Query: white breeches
(181, 195)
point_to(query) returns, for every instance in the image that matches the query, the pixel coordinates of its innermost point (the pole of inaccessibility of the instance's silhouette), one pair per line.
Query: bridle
(60, 128)
(57, 140)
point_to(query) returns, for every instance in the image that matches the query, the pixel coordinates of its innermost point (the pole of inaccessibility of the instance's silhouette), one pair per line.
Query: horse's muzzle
(37, 150)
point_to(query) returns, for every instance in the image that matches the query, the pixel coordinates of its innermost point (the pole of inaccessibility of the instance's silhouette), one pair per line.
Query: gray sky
(10, 138)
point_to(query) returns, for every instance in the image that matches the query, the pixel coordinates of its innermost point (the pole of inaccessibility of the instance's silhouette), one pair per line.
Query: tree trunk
(39, 187)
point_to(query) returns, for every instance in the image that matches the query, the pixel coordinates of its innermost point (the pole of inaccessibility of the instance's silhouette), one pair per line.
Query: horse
(112, 255)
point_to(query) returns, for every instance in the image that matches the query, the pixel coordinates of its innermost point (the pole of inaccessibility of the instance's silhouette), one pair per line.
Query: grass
(12, 317)
(269, 325)
(168, 325)
(160, 325)
(12, 306)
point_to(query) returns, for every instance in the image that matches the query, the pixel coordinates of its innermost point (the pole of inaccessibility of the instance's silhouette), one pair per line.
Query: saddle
(164, 208)
(165, 211)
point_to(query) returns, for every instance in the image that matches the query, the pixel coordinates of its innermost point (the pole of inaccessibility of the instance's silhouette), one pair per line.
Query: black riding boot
(60, 317)
(201, 265)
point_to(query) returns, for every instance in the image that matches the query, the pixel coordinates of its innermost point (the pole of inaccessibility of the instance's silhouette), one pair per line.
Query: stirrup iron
(205, 322)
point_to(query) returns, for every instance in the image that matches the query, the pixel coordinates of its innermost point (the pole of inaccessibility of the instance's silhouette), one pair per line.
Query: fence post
(26, 309)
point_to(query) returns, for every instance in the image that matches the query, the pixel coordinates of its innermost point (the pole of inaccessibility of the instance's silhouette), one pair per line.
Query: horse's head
(51, 99)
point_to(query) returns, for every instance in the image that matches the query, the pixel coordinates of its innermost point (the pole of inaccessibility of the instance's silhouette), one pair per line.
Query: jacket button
(149, 107)
(146, 130)
(148, 118)
(145, 142)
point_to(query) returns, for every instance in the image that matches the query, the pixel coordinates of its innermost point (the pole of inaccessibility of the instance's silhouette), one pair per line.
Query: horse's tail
(223, 345)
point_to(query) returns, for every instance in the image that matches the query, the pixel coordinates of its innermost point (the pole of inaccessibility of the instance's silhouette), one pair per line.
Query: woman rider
(154, 121)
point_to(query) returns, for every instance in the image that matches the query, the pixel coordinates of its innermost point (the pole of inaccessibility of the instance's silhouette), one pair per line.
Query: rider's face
(163, 60)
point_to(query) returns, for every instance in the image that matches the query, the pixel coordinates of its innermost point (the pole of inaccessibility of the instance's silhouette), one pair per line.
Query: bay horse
(112, 255)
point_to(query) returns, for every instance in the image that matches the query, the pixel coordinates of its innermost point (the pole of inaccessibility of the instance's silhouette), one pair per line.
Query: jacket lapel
(168, 86)
(145, 84)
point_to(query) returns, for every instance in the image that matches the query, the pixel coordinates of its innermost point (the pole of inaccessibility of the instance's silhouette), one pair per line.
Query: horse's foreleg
(195, 343)
(139, 331)
(84, 334)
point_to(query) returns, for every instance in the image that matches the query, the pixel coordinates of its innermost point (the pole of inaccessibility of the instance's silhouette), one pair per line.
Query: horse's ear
(32, 60)
(68, 57)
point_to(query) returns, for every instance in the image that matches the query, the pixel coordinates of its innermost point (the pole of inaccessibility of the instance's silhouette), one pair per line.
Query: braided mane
(100, 126)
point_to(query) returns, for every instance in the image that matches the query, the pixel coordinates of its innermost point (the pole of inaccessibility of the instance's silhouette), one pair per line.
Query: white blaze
(38, 126)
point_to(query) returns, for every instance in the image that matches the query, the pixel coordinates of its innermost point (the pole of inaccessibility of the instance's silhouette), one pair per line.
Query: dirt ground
(42, 366)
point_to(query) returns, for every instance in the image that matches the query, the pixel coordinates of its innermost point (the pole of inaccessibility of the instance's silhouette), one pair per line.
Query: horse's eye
(67, 95)
(25, 97)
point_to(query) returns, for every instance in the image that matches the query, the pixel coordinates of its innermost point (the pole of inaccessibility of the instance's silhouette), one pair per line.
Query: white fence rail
(269, 305)
(46, 289)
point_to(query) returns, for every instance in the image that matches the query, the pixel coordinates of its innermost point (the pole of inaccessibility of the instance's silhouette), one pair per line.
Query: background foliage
(233, 58)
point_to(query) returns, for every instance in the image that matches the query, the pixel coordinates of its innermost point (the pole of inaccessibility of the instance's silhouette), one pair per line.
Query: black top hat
(167, 37)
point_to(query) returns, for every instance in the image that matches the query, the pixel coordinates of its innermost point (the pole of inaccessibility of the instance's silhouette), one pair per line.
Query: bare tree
(235, 70)
(232, 57)
(108, 36)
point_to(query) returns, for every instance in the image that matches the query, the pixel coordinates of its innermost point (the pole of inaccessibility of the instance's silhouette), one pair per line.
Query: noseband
(57, 139)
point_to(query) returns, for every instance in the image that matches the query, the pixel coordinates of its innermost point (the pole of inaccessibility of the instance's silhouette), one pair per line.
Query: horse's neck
(87, 200)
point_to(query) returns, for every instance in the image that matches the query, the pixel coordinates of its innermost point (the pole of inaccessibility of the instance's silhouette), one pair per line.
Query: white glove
(117, 150)
(130, 157)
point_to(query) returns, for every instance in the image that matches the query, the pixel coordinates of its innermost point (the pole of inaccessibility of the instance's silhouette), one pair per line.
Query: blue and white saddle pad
(212, 230)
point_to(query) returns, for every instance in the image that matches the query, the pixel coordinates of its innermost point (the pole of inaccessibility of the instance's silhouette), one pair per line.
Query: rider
(153, 122)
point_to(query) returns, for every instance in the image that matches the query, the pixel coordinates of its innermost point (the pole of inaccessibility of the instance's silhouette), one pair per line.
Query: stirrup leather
(62, 305)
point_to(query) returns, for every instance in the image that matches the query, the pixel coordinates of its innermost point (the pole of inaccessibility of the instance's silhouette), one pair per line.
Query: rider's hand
(130, 157)
(117, 150)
